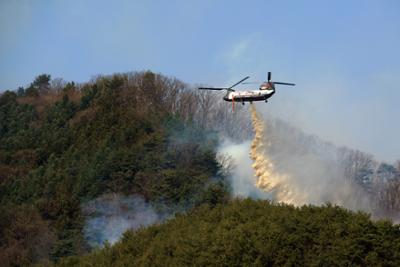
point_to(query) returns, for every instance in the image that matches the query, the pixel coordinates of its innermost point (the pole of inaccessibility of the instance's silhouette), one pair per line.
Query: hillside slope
(75, 158)
(256, 233)
(63, 145)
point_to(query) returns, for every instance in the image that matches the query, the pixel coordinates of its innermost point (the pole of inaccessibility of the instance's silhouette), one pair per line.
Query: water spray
(268, 179)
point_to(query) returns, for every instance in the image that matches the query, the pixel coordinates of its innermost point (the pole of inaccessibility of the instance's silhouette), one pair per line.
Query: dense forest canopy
(64, 145)
(256, 233)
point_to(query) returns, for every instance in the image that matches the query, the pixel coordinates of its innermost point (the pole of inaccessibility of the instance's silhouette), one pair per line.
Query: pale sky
(343, 55)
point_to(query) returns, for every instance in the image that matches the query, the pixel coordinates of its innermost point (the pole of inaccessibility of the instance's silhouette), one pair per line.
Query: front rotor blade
(252, 82)
(291, 84)
(239, 82)
(212, 88)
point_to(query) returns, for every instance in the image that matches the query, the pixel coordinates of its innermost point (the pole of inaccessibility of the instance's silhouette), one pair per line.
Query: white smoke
(109, 216)
(291, 167)
(242, 179)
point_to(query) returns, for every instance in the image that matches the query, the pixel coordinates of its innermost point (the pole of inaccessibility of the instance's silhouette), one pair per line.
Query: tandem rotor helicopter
(266, 90)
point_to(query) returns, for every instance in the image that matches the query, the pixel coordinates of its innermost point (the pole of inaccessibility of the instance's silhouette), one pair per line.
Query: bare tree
(57, 85)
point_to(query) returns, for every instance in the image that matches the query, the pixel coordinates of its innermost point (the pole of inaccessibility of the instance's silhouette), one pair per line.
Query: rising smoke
(290, 168)
(280, 163)
(109, 216)
(241, 173)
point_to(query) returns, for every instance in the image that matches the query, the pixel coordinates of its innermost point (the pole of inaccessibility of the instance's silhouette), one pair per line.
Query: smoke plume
(301, 170)
(240, 172)
(109, 216)
(289, 166)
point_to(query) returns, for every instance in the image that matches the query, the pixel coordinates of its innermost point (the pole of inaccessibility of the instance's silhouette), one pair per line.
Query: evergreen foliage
(148, 135)
(255, 233)
(59, 149)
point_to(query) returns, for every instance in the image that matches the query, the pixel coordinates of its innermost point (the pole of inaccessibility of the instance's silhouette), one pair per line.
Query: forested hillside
(69, 151)
(256, 233)
(62, 145)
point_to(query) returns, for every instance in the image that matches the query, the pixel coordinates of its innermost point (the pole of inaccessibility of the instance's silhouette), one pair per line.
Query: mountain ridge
(63, 145)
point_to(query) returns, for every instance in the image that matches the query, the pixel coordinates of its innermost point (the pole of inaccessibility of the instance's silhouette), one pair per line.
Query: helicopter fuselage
(249, 96)
(266, 90)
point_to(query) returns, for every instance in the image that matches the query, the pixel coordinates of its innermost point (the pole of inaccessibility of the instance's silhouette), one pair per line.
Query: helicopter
(266, 90)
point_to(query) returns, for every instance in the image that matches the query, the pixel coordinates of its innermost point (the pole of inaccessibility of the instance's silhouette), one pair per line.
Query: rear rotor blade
(291, 84)
(239, 82)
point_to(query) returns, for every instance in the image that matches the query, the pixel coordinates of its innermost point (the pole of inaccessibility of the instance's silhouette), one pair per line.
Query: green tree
(40, 85)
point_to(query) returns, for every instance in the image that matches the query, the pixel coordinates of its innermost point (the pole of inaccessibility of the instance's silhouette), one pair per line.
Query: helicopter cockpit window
(264, 86)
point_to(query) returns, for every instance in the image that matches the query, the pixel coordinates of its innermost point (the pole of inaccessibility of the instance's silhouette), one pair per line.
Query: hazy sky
(344, 56)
